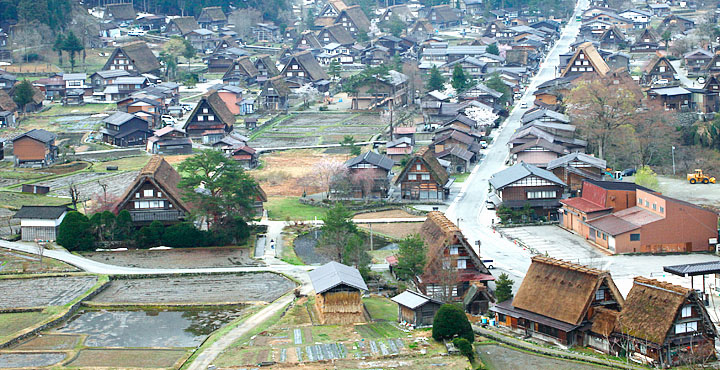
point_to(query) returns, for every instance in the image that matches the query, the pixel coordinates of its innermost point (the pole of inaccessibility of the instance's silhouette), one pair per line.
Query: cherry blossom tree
(327, 171)
(483, 116)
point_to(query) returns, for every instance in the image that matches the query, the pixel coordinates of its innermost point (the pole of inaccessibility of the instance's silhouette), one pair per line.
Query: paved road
(468, 207)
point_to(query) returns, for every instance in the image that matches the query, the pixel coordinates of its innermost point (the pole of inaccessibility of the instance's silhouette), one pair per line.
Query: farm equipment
(699, 176)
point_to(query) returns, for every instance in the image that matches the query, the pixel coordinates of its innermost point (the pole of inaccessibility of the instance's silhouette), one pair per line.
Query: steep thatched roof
(6, 102)
(213, 14)
(604, 321)
(655, 61)
(278, 85)
(269, 64)
(163, 176)
(561, 290)
(308, 62)
(439, 232)
(357, 16)
(339, 33)
(650, 309)
(121, 12)
(140, 55)
(245, 67)
(185, 24)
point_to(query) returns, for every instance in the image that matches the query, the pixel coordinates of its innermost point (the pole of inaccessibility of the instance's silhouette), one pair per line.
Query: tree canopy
(75, 232)
(411, 257)
(503, 288)
(436, 81)
(23, 94)
(450, 322)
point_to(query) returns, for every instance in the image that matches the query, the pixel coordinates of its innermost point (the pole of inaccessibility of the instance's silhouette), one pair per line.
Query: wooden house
(329, 13)
(525, 184)
(210, 114)
(459, 158)
(443, 16)
(125, 129)
(7, 80)
(423, 177)
(612, 39)
(672, 97)
(135, 57)
(586, 59)
(275, 94)
(241, 72)
(399, 148)
(354, 20)
(338, 294)
(221, 60)
(335, 34)
(383, 91)
(697, 60)
(212, 18)
(303, 68)
(35, 147)
(574, 168)
(246, 156)
(169, 141)
(647, 42)
(266, 67)
(122, 12)
(307, 41)
(40, 223)
(401, 11)
(538, 152)
(557, 301)
(373, 166)
(452, 265)
(665, 323)
(416, 308)
(154, 195)
(658, 68)
(182, 26)
(677, 24)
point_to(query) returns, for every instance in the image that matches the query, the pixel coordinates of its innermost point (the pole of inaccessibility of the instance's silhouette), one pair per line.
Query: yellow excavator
(699, 176)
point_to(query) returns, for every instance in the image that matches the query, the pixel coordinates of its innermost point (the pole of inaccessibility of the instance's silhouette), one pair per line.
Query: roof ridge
(569, 265)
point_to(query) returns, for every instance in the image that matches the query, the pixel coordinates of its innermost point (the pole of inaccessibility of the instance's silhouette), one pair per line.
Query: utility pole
(371, 237)
(673, 158)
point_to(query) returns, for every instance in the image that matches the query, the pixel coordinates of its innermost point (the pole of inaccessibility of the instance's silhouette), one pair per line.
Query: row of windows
(202, 118)
(541, 194)
(145, 204)
(647, 204)
(148, 193)
(414, 176)
(598, 234)
(687, 327)
(461, 264)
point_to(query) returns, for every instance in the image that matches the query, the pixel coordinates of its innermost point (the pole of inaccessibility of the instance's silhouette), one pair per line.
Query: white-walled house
(40, 222)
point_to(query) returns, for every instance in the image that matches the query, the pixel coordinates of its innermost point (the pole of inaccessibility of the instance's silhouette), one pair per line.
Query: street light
(673, 159)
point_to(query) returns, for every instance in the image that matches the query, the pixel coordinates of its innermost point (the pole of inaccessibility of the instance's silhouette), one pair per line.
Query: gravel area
(178, 258)
(265, 287)
(41, 292)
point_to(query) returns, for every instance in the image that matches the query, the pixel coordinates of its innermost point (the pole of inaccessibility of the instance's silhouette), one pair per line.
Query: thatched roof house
(134, 57)
(120, 12)
(338, 293)
(452, 265)
(423, 177)
(667, 323)
(154, 195)
(557, 299)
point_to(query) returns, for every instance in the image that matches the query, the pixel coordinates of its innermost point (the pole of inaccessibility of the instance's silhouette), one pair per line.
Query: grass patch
(15, 200)
(379, 256)
(461, 177)
(50, 342)
(380, 330)
(125, 164)
(290, 208)
(288, 252)
(12, 262)
(127, 358)
(12, 323)
(60, 110)
(381, 308)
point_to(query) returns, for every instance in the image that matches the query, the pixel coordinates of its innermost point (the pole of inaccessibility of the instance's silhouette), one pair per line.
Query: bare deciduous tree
(244, 20)
(327, 171)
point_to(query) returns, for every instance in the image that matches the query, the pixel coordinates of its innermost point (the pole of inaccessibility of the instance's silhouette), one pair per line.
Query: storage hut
(416, 309)
(338, 293)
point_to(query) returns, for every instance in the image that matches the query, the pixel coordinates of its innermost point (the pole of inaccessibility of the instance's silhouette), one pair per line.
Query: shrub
(183, 235)
(75, 232)
(151, 235)
(503, 288)
(465, 348)
(450, 322)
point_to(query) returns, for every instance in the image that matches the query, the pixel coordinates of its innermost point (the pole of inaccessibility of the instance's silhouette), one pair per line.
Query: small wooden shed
(338, 293)
(416, 309)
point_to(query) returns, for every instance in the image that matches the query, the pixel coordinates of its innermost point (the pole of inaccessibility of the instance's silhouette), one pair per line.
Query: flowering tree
(365, 181)
(327, 171)
(481, 115)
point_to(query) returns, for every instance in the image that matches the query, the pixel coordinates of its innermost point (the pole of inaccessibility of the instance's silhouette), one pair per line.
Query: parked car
(168, 120)
(662, 82)
(489, 263)
(489, 204)
(137, 32)
(628, 172)
(523, 105)
(483, 144)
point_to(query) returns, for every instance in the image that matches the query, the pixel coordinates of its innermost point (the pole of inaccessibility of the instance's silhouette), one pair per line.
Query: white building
(40, 222)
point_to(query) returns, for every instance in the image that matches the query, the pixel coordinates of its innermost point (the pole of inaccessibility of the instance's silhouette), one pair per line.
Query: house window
(461, 264)
(654, 206)
(661, 69)
(412, 176)
(446, 264)
(597, 233)
(604, 236)
(454, 250)
(687, 327)
(599, 295)
(639, 201)
(647, 203)
(148, 193)
(425, 176)
(418, 167)
(540, 194)
(137, 195)
(205, 110)
(301, 74)
(662, 209)
(200, 118)
(211, 118)
(686, 311)
(634, 237)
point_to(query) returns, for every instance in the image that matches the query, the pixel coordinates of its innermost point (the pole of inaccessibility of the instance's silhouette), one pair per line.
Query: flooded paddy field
(497, 357)
(177, 258)
(253, 287)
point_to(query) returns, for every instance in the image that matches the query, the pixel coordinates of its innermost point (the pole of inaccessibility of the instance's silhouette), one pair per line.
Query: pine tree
(436, 80)
(334, 68)
(493, 49)
(72, 45)
(58, 46)
(23, 94)
(459, 79)
(503, 288)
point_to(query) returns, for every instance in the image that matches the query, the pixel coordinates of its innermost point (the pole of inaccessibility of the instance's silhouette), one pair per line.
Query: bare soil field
(12, 262)
(178, 258)
(265, 287)
(44, 291)
(396, 230)
(116, 184)
(319, 128)
(503, 358)
(49, 342)
(128, 358)
(282, 171)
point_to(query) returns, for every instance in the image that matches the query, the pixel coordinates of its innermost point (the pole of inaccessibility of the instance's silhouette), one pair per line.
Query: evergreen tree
(124, 228)
(411, 257)
(459, 81)
(496, 83)
(58, 47)
(75, 232)
(450, 321)
(23, 94)
(436, 80)
(72, 45)
(503, 288)
(334, 68)
(493, 49)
